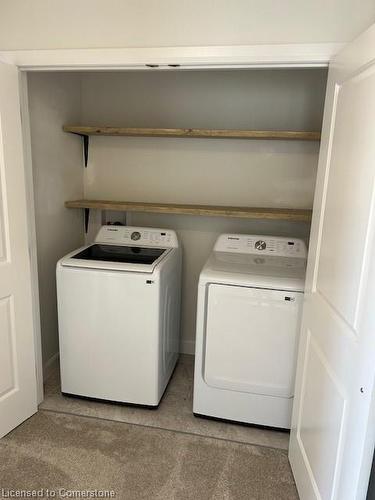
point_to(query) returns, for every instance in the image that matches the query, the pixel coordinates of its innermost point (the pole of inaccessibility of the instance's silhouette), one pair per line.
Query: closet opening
(201, 152)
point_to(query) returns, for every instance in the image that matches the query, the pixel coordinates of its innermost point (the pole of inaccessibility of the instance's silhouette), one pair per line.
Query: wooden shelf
(194, 132)
(207, 210)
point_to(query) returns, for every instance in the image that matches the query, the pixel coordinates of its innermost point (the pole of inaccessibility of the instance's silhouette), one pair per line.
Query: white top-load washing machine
(119, 315)
(248, 319)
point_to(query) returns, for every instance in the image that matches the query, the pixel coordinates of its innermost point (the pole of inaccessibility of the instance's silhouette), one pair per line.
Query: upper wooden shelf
(194, 132)
(207, 210)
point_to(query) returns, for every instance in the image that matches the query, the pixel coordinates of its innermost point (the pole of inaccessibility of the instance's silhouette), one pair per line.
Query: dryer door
(251, 339)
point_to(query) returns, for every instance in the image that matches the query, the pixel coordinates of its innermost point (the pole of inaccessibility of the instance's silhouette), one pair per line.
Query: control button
(260, 245)
(135, 236)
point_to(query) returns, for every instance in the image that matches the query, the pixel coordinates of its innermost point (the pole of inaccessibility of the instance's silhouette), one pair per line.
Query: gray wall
(218, 172)
(228, 172)
(57, 174)
(371, 487)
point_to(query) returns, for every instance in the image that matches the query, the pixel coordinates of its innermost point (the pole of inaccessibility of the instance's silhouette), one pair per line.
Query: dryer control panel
(259, 244)
(137, 236)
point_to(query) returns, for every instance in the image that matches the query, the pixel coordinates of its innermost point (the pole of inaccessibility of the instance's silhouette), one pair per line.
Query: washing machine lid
(116, 257)
(270, 272)
(124, 248)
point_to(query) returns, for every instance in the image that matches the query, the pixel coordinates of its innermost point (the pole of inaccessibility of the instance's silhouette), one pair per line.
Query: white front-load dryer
(119, 315)
(248, 319)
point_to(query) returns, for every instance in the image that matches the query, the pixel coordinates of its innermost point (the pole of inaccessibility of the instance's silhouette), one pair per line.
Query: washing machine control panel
(137, 236)
(261, 245)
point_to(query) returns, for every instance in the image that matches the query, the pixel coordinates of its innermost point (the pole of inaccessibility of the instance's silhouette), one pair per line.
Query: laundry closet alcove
(228, 151)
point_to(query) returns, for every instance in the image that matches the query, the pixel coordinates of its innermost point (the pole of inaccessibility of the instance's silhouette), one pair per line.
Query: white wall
(145, 23)
(58, 176)
(228, 172)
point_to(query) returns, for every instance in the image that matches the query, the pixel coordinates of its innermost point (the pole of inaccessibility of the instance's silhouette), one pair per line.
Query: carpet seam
(59, 412)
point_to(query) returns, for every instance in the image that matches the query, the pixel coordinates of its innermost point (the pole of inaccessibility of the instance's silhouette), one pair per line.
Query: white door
(333, 424)
(17, 355)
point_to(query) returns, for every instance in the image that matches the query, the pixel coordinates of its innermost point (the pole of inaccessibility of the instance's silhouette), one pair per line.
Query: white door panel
(7, 340)
(331, 440)
(322, 413)
(4, 237)
(350, 191)
(17, 355)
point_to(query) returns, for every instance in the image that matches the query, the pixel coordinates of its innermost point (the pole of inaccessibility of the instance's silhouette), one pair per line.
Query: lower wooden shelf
(297, 135)
(290, 214)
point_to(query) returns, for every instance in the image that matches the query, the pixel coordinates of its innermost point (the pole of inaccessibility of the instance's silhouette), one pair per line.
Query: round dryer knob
(260, 245)
(135, 236)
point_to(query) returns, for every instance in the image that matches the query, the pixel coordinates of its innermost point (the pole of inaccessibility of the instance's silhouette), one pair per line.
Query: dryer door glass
(251, 339)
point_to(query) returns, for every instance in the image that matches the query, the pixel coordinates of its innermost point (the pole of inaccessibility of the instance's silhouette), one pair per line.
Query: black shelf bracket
(85, 139)
(87, 219)
(85, 142)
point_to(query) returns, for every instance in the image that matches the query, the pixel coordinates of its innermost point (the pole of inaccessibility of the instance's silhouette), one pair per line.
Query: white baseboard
(49, 365)
(187, 347)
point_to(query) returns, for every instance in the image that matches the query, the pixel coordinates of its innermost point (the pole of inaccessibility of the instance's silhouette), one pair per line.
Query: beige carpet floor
(174, 413)
(54, 451)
